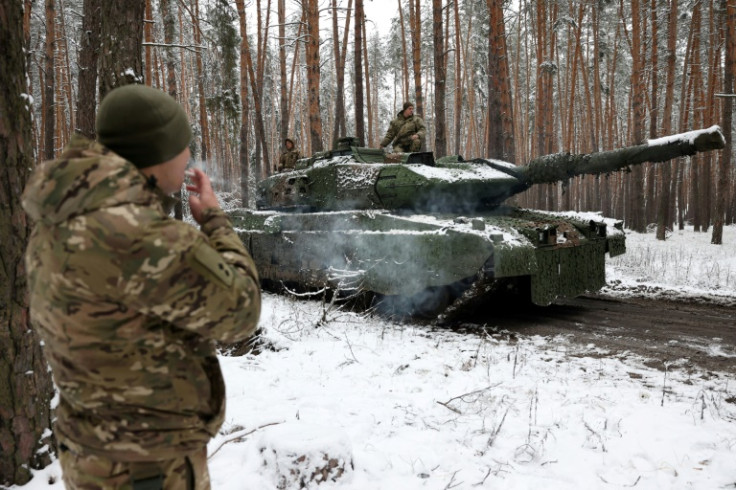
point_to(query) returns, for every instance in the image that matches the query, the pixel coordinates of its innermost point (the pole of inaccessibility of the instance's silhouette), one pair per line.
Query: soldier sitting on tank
(129, 302)
(406, 131)
(288, 157)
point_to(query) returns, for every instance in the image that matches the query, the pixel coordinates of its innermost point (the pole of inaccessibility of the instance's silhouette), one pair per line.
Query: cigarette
(189, 172)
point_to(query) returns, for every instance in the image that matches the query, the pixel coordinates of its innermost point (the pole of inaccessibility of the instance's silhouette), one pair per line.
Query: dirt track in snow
(684, 335)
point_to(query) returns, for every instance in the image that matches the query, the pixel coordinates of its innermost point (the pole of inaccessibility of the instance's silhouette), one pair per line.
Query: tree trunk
(262, 39)
(500, 109)
(67, 116)
(169, 21)
(87, 79)
(294, 63)
(440, 75)
(49, 109)
(729, 72)
(203, 123)
(26, 388)
(415, 21)
(368, 97)
(358, 60)
(635, 202)
(543, 111)
(313, 74)
(404, 57)
(339, 54)
(244, 129)
(698, 102)
(664, 217)
(283, 85)
(710, 113)
(458, 81)
(148, 39)
(121, 61)
(245, 49)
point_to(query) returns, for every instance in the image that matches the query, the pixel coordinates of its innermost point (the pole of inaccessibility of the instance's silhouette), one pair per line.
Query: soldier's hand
(415, 136)
(202, 197)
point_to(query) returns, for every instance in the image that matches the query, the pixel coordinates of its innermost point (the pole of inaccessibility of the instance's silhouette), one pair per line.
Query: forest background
(491, 78)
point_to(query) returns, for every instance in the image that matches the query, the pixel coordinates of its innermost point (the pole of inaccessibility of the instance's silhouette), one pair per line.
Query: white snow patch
(688, 137)
(475, 172)
(423, 408)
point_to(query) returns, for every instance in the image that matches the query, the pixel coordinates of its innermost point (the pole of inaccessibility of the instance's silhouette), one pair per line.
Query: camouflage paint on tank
(402, 255)
(398, 224)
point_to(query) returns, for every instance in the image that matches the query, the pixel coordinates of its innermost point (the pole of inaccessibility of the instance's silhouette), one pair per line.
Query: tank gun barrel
(562, 166)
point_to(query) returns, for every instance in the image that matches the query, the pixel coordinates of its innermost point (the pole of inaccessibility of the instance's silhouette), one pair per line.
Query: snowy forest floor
(366, 403)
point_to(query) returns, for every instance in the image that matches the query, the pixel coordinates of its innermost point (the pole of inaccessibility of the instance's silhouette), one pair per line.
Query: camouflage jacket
(402, 129)
(288, 159)
(128, 303)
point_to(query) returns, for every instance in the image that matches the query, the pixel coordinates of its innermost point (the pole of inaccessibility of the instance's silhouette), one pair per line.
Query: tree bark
(148, 38)
(244, 129)
(283, 86)
(698, 103)
(635, 202)
(26, 388)
(415, 21)
(368, 97)
(358, 67)
(500, 142)
(339, 54)
(664, 217)
(729, 73)
(245, 50)
(313, 74)
(203, 123)
(87, 79)
(169, 21)
(458, 81)
(121, 61)
(404, 57)
(440, 75)
(49, 109)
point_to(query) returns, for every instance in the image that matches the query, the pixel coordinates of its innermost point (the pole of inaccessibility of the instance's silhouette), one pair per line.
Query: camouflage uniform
(289, 157)
(128, 303)
(401, 130)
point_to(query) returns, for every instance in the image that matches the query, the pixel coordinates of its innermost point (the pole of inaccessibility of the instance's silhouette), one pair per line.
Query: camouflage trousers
(92, 472)
(409, 146)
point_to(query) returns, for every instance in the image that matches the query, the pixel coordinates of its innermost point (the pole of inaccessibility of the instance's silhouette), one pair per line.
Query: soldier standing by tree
(406, 131)
(129, 301)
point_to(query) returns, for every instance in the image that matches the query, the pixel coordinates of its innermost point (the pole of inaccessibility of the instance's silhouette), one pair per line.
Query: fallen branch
(239, 436)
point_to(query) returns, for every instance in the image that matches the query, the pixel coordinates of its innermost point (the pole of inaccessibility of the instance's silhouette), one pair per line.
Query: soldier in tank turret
(288, 158)
(406, 131)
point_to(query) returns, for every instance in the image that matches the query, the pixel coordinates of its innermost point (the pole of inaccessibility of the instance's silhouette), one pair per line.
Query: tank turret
(431, 237)
(350, 177)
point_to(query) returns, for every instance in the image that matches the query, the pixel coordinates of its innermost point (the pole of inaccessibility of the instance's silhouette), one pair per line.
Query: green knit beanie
(143, 125)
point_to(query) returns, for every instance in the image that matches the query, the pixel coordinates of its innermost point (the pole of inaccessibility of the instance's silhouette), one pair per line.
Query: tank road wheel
(427, 304)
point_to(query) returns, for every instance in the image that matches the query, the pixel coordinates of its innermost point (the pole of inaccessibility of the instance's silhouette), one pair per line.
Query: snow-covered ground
(414, 407)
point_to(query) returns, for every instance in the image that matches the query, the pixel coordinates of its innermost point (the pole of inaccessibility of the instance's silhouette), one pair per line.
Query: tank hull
(404, 255)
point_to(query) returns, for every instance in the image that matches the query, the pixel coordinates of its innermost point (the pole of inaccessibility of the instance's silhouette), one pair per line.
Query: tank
(435, 237)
